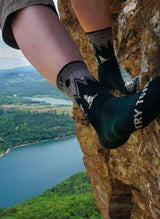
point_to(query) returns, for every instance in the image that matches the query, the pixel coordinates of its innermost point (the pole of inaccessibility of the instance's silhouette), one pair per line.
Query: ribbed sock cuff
(101, 31)
(67, 70)
(100, 36)
(70, 75)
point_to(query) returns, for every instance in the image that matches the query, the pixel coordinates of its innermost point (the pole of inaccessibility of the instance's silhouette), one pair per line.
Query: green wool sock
(114, 118)
(110, 74)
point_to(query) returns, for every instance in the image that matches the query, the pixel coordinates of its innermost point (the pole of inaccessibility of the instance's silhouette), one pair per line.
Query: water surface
(28, 171)
(53, 101)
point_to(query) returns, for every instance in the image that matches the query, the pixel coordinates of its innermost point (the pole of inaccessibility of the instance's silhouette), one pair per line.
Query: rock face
(125, 181)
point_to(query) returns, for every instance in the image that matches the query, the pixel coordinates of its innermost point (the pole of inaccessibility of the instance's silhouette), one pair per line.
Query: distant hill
(24, 69)
(26, 82)
(72, 198)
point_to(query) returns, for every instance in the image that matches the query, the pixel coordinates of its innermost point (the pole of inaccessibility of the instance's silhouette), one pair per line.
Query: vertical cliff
(125, 181)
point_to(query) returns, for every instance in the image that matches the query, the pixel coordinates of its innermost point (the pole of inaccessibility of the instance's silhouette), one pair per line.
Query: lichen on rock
(125, 181)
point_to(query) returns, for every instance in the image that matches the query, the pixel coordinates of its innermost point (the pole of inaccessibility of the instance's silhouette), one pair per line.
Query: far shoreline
(35, 142)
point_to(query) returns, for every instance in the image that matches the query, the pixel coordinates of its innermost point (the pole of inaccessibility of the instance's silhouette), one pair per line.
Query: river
(51, 100)
(28, 171)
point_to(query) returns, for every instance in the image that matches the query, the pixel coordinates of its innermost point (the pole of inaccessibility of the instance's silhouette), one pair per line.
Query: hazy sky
(11, 58)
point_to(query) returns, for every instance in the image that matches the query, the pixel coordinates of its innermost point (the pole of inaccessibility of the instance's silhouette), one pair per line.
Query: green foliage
(71, 199)
(26, 83)
(21, 127)
(31, 89)
(73, 185)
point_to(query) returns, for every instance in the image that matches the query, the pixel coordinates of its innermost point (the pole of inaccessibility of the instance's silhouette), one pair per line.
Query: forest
(19, 127)
(26, 82)
(24, 121)
(71, 199)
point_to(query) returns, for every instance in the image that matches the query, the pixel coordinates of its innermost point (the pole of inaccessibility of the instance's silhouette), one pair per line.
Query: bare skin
(44, 41)
(92, 14)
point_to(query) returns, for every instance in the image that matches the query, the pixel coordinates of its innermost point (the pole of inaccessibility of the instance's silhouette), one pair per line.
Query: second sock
(110, 74)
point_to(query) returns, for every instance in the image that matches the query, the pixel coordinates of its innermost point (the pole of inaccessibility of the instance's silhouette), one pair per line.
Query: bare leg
(44, 41)
(95, 18)
(92, 14)
(46, 44)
